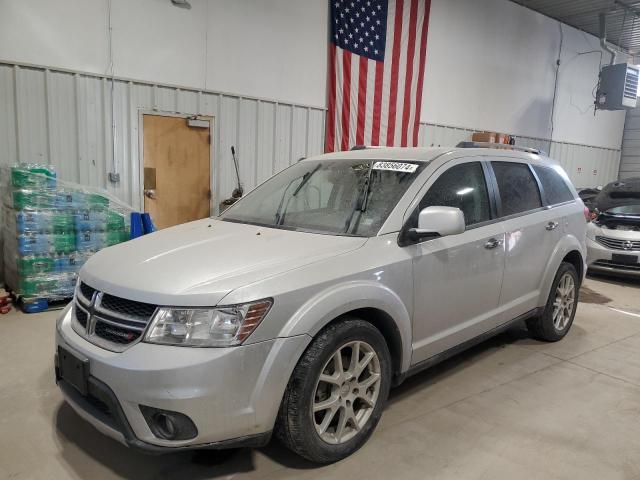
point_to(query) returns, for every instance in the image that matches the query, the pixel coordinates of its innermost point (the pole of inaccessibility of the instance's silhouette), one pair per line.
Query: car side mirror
(438, 221)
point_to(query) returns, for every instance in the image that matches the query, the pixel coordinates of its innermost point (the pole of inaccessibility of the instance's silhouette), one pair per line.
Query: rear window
(517, 186)
(555, 188)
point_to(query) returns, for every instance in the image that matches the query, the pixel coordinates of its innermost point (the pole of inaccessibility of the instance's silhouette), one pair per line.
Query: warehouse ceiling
(623, 17)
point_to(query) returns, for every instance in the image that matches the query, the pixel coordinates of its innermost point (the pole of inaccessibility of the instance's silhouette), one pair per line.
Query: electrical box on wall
(618, 87)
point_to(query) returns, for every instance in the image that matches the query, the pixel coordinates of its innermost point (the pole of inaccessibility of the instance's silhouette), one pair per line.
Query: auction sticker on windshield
(395, 166)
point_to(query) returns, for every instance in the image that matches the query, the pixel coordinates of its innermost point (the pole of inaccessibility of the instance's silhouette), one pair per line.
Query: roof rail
(364, 147)
(502, 146)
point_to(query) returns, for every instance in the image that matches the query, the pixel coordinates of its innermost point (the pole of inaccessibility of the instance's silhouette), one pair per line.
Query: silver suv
(296, 310)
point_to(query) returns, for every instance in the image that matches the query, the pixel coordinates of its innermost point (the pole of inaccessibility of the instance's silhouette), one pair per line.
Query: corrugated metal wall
(64, 118)
(630, 160)
(586, 165)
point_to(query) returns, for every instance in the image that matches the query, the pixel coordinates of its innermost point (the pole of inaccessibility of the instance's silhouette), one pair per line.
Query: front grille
(82, 317)
(619, 266)
(115, 334)
(108, 321)
(617, 244)
(87, 291)
(128, 307)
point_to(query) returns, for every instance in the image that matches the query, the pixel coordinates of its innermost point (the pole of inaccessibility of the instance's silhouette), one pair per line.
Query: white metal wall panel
(266, 141)
(8, 137)
(65, 118)
(246, 148)
(586, 165)
(31, 114)
(630, 159)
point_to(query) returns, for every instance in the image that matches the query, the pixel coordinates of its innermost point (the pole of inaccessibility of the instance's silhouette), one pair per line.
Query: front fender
(339, 299)
(567, 244)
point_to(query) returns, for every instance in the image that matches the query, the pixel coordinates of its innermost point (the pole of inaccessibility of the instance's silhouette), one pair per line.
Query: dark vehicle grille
(128, 307)
(87, 291)
(82, 317)
(109, 321)
(617, 244)
(619, 266)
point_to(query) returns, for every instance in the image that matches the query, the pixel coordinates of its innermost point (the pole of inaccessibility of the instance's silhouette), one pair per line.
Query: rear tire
(336, 393)
(558, 314)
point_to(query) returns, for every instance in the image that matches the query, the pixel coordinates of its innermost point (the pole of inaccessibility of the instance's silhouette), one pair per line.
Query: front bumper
(599, 259)
(231, 394)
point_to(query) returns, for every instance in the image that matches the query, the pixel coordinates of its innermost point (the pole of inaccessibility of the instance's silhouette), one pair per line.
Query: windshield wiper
(362, 201)
(305, 178)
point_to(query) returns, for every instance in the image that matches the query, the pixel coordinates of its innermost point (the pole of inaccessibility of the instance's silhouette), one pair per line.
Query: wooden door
(177, 169)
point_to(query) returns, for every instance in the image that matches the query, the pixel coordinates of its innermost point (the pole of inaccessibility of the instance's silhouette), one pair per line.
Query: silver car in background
(295, 311)
(613, 237)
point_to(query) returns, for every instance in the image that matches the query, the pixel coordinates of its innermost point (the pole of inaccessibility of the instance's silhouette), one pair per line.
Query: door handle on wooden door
(150, 193)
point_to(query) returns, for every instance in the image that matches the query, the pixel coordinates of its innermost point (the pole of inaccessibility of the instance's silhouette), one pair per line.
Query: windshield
(343, 197)
(625, 210)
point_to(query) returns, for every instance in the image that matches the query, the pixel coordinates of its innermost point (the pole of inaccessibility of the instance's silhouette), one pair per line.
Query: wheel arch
(568, 249)
(368, 301)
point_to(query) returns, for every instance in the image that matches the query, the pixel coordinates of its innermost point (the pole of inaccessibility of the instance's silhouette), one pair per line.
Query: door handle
(492, 243)
(551, 225)
(150, 192)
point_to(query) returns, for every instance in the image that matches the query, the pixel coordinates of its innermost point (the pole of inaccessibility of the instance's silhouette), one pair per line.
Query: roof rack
(502, 146)
(364, 147)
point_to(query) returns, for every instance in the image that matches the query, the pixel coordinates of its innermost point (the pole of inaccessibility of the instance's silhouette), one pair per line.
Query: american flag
(377, 54)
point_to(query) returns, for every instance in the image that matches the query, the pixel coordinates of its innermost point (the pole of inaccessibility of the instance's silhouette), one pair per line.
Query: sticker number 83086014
(396, 166)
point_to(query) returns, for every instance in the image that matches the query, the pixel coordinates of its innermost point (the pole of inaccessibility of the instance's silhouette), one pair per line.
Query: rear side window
(462, 186)
(517, 186)
(555, 188)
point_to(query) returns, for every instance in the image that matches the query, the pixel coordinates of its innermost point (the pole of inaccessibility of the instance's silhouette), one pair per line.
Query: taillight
(587, 214)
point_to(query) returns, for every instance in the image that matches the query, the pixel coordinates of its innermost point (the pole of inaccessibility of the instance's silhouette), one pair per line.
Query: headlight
(206, 327)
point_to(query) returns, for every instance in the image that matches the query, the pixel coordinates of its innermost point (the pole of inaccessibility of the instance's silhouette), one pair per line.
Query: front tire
(558, 314)
(336, 393)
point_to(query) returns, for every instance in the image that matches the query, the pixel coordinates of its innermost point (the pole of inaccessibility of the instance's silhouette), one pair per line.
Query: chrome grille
(108, 321)
(617, 244)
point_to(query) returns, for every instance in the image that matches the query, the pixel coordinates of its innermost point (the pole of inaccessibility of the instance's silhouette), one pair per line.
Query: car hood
(619, 193)
(199, 263)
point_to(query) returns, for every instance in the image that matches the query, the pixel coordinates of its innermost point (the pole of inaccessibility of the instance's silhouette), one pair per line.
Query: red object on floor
(5, 301)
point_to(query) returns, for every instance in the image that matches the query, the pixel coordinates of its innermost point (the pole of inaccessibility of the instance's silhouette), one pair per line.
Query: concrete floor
(509, 408)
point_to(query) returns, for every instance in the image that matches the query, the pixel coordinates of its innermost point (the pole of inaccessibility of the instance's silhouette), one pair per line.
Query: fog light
(169, 425)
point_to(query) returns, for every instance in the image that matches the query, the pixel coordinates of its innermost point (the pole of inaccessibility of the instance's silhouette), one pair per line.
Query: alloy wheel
(564, 302)
(346, 392)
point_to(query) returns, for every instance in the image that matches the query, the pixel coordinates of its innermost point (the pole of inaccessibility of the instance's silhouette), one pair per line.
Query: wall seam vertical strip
(257, 144)
(237, 145)
(275, 137)
(291, 115)
(16, 108)
(47, 106)
(217, 149)
(106, 131)
(76, 91)
(306, 134)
